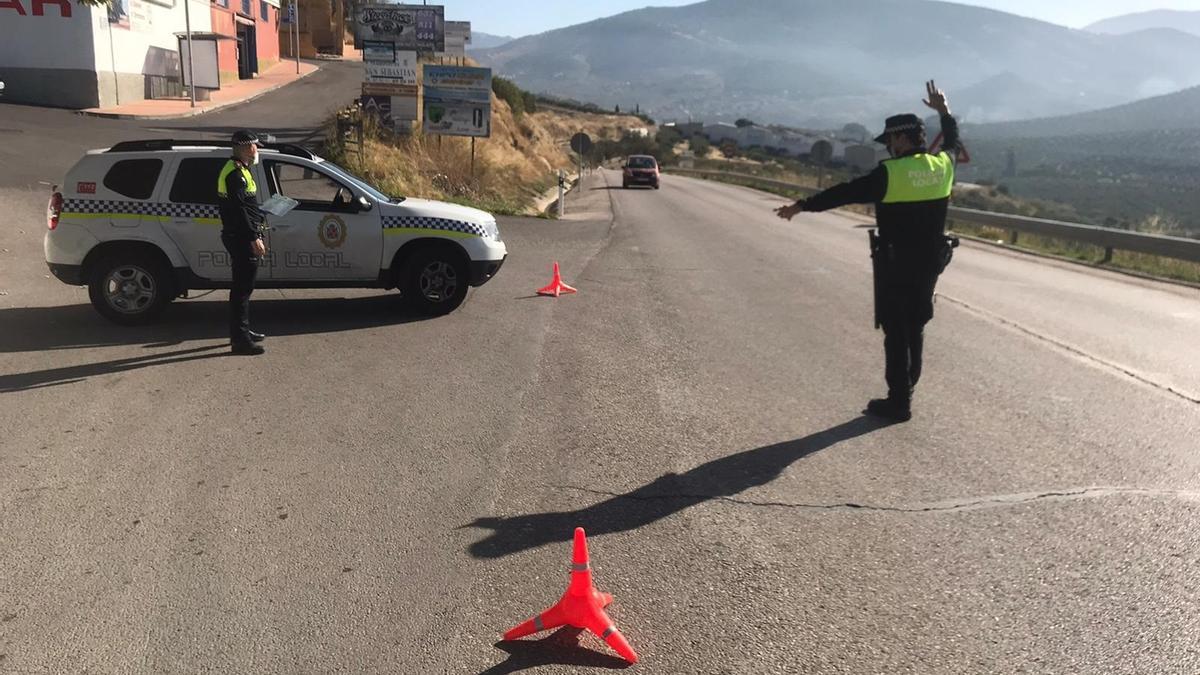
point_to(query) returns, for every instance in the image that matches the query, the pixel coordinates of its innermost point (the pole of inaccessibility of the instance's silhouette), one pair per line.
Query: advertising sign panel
(388, 89)
(458, 101)
(403, 71)
(420, 28)
(458, 36)
(379, 107)
(379, 51)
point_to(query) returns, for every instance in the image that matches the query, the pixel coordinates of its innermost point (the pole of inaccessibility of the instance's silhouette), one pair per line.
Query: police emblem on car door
(332, 232)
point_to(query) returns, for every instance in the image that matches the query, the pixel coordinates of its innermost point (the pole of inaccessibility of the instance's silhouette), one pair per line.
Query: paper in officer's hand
(279, 205)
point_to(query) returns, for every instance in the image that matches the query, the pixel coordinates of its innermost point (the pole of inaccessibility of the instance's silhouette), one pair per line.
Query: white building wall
(136, 39)
(70, 55)
(46, 54)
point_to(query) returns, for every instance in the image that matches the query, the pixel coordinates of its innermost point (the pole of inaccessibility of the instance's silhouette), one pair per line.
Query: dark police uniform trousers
(245, 274)
(905, 305)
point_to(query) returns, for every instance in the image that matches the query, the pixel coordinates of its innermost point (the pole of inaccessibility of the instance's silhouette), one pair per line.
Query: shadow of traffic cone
(556, 287)
(582, 606)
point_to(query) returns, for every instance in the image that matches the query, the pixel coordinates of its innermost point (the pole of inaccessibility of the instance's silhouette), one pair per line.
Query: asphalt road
(384, 494)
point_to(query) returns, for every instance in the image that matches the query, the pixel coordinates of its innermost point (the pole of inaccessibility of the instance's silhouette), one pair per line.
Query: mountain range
(829, 62)
(1188, 22)
(1172, 112)
(487, 41)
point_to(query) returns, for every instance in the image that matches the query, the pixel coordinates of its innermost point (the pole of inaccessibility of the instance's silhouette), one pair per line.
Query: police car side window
(196, 180)
(312, 188)
(134, 178)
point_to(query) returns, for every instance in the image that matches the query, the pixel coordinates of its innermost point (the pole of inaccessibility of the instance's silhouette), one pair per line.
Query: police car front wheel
(131, 288)
(436, 281)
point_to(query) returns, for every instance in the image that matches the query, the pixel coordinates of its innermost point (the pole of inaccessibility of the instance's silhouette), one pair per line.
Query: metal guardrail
(1177, 248)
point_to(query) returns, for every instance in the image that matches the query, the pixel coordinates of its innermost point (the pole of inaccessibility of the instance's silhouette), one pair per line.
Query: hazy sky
(526, 17)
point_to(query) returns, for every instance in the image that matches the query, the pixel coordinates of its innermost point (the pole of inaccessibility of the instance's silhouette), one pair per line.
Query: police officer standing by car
(242, 225)
(911, 192)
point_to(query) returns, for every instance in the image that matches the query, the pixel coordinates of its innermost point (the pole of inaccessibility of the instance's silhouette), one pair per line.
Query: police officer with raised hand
(242, 225)
(911, 192)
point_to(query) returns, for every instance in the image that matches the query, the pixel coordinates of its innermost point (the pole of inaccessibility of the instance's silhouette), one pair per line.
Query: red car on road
(640, 170)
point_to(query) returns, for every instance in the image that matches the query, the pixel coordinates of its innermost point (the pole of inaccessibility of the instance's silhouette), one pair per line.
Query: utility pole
(187, 20)
(296, 20)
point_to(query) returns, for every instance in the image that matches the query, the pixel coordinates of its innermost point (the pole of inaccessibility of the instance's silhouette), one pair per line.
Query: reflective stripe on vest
(919, 178)
(229, 168)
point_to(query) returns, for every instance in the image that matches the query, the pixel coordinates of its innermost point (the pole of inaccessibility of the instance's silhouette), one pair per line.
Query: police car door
(330, 236)
(192, 218)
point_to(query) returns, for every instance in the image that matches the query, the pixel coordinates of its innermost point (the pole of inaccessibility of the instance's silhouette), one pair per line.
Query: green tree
(510, 93)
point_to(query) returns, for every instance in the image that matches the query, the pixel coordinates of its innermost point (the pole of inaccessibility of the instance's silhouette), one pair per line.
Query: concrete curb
(199, 111)
(542, 206)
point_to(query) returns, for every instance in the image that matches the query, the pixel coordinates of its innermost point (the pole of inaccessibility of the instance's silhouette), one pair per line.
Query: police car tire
(158, 272)
(416, 265)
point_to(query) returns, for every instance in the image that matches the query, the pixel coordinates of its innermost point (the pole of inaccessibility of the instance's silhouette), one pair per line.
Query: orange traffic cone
(556, 287)
(582, 606)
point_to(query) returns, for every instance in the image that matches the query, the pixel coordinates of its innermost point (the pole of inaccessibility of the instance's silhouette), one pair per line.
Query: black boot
(246, 349)
(257, 337)
(890, 409)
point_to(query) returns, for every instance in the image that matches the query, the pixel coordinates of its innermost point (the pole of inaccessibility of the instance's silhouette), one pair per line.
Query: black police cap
(895, 124)
(244, 137)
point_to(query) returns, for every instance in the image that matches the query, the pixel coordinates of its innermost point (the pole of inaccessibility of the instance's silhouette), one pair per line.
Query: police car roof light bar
(163, 144)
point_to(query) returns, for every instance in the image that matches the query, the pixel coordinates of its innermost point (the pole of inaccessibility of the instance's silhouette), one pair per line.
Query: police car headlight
(492, 230)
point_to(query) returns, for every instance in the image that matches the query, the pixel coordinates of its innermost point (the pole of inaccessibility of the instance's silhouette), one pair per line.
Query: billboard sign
(419, 28)
(379, 107)
(403, 71)
(458, 101)
(458, 36)
(388, 89)
(379, 51)
(392, 112)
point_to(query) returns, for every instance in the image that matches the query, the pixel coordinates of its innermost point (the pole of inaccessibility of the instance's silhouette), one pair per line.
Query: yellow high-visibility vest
(229, 168)
(919, 178)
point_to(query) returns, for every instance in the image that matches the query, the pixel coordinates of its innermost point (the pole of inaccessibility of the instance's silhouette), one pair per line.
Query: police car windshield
(360, 183)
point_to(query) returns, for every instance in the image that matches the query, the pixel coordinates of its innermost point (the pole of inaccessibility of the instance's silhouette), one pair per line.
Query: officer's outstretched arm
(866, 189)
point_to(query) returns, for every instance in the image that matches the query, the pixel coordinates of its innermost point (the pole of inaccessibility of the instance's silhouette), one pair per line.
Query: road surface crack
(968, 504)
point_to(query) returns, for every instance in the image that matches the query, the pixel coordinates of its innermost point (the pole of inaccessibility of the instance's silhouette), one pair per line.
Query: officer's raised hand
(937, 98)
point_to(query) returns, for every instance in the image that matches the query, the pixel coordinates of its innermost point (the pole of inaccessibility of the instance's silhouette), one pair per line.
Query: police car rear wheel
(437, 282)
(131, 289)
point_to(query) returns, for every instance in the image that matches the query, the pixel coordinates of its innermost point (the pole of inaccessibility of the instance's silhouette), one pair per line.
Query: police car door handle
(280, 226)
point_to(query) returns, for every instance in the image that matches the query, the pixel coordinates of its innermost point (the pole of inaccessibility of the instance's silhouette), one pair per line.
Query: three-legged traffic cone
(556, 287)
(582, 606)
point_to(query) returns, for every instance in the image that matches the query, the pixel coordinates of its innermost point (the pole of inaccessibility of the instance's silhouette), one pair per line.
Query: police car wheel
(437, 281)
(130, 289)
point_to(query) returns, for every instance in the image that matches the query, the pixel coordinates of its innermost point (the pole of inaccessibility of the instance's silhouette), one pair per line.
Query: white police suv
(138, 225)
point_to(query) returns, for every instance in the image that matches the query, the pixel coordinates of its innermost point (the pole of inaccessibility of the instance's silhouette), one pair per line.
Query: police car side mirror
(365, 204)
